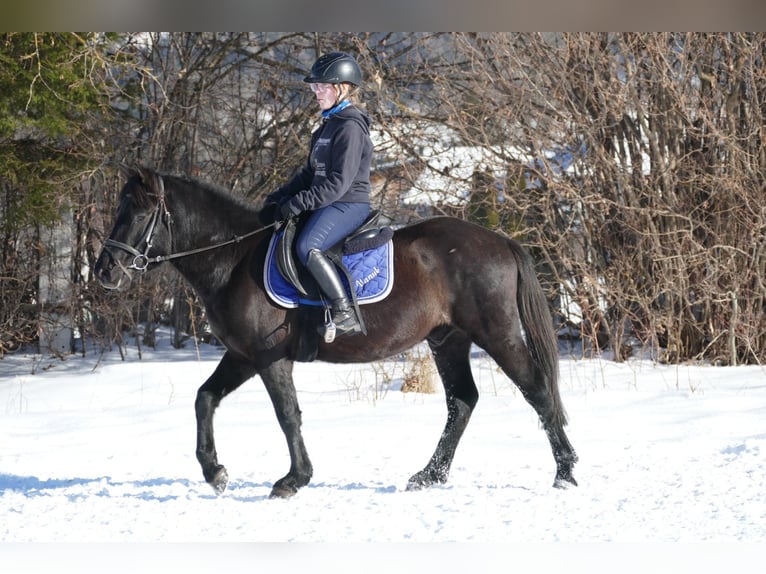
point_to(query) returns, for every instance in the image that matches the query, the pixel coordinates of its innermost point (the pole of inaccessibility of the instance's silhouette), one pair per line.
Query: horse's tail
(536, 320)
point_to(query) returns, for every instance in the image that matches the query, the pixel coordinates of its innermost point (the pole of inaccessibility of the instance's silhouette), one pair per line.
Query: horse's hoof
(425, 479)
(220, 481)
(418, 481)
(564, 483)
(283, 491)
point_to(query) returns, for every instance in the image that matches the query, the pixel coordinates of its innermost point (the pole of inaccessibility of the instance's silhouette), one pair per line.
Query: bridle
(141, 261)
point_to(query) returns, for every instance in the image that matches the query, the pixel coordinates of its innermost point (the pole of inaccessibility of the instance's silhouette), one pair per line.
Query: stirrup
(329, 329)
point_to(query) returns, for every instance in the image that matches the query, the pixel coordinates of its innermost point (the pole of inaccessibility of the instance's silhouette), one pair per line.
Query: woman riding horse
(334, 183)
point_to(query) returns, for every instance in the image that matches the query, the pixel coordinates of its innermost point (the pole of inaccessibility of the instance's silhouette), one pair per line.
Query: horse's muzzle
(111, 273)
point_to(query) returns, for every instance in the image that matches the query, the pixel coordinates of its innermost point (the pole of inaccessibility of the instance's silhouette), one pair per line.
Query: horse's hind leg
(228, 376)
(451, 352)
(511, 354)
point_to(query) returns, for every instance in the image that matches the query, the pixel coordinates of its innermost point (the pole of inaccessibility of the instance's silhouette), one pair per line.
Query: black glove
(268, 214)
(284, 211)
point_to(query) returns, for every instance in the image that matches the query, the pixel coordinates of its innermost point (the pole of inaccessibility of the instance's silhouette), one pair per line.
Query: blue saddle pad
(372, 272)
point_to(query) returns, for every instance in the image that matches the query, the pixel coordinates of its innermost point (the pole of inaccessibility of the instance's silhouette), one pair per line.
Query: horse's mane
(222, 199)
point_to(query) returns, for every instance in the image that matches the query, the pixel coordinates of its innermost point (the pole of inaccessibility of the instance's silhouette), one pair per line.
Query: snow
(97, 449)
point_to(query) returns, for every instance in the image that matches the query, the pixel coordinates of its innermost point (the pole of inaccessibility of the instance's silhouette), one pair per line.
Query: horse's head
(141, 229)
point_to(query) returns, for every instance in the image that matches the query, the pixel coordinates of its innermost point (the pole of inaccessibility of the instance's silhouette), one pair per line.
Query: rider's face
(326, 94)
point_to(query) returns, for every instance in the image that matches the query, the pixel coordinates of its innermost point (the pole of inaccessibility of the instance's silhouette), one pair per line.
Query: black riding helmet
(335, 68)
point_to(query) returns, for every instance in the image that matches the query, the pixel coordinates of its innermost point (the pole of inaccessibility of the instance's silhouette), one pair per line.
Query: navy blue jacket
(338, 166)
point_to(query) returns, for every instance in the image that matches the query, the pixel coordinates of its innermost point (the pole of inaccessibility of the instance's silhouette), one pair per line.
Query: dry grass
(419, 372)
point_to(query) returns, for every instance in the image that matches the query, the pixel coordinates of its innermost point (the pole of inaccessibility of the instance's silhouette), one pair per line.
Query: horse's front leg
(278, 379)
(228, 376)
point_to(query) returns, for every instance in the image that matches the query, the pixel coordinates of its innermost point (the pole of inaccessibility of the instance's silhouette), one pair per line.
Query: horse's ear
(151, 179)
(147, 175)
(127, 172)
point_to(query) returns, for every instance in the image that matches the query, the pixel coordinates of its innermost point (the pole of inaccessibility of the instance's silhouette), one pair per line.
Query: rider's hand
(285, 212)
(268, 214)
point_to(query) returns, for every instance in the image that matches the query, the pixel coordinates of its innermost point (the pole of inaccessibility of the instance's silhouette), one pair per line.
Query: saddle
(369, 243)
(369, 235)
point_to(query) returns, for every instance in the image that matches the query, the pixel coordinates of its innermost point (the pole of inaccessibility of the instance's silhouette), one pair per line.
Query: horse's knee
(205, 403)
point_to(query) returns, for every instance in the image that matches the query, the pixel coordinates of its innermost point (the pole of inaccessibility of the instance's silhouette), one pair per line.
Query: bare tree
(642, 195)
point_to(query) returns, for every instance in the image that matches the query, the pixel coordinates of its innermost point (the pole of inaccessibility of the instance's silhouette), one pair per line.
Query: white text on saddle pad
(372, 275)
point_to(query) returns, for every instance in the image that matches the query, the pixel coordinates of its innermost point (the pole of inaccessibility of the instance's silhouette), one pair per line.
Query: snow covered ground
(97, 449)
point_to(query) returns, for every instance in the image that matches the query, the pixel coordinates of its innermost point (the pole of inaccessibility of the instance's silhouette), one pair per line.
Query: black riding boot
(343, 315)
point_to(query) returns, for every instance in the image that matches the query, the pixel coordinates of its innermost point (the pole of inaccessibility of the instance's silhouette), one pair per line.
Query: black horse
(456, 284)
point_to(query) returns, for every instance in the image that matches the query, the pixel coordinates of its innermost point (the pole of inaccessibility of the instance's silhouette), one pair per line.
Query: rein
(141, 261)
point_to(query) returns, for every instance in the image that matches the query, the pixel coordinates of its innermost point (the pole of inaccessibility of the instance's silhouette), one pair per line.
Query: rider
(334, 184)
